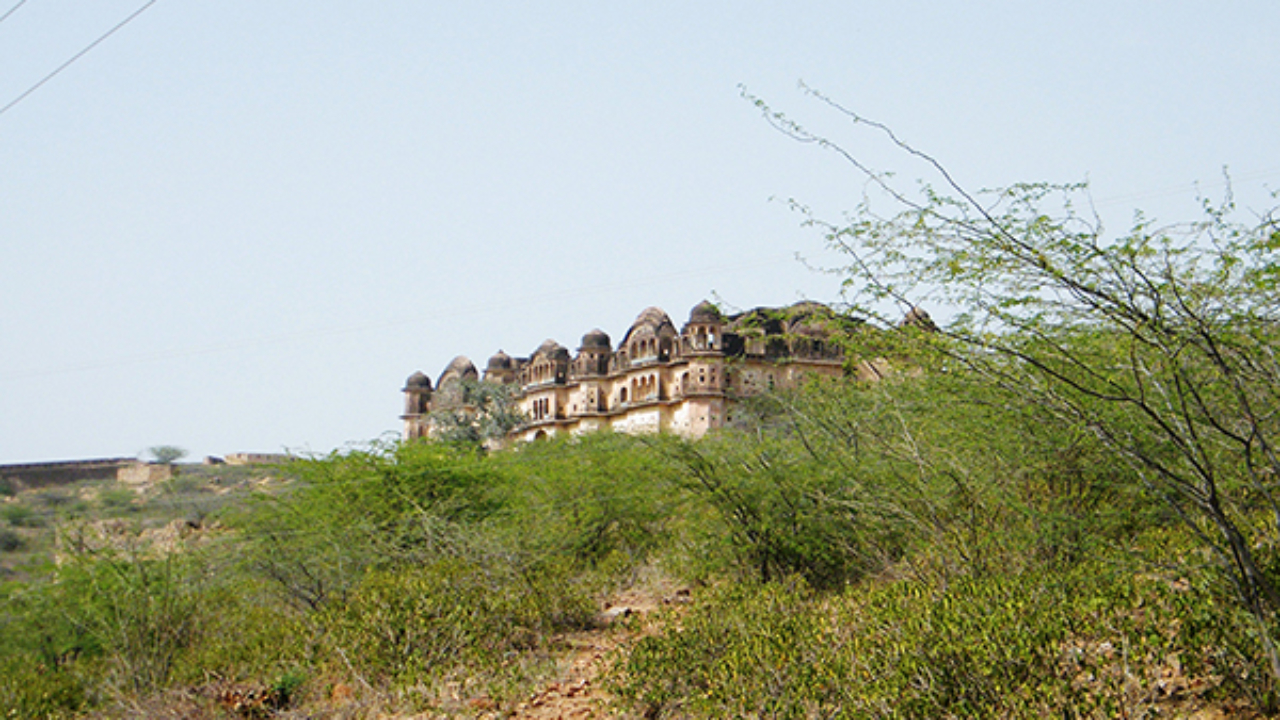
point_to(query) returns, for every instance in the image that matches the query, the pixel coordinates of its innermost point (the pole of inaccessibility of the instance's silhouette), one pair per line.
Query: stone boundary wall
(48, 474)
(249, 458)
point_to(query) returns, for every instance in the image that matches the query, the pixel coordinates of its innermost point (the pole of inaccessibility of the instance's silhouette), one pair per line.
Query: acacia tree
(1160, 342)
(166, 454)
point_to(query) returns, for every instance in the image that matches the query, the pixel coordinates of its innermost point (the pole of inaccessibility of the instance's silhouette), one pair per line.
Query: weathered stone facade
(658, 378)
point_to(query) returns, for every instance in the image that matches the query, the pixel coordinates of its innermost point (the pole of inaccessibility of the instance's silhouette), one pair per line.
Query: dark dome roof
(551, 349)
(418, 381)
(919, 318)
(651, 317)
(653, 321)
(499, 361)
(460, 368)
(596, 339)
(705, 312)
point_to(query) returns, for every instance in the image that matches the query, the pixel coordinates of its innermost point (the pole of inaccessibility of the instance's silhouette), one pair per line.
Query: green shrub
(21, 516)
(414, 625)
(599, 496)
(140, 614)
(1091, 642)
(246, 633)
(11, 541)
(115, 499)
(54, 498)
(31, 689)
(745, 650)
(184, 484)
(388, 506)
(779, 510)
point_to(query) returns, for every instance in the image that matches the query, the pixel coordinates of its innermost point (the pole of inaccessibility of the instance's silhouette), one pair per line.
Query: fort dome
(919, 318)
(499, 361)
(418, 381)
(552, 350)
(650, 323)
(653, 317)
(596, 340)
(705, 312)
(460, 368)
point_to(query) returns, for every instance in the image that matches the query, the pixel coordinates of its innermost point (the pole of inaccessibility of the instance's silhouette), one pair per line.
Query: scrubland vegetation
(922, 547)
(1062, 501)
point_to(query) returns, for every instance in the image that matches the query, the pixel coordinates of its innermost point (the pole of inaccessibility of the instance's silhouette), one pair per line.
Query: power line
(75, 57)
(12, 10)
(1229, 181)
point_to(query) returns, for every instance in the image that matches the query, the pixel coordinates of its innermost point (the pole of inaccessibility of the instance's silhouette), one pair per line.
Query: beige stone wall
(141, 473)
(640, 420)
(243, 458)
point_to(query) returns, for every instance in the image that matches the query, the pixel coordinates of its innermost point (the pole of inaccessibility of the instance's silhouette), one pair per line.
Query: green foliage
(7, 488)
(385, 506)
(838, 479)
(166, 454)
(141, 612)
(931, 545)
(184, 484)
(116, 499)
(479, 412)
(99, 626)
(745, 650)
(782, 510)
(1159, 342)
(10, 540)
(54, 498)
(29, 689)
(1008, 644)
(589, 498)
(412, 625)
(20, 515)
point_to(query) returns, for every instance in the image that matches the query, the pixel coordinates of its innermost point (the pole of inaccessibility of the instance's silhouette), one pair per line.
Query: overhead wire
(12, 10)
(75, 57)
(1230, 180)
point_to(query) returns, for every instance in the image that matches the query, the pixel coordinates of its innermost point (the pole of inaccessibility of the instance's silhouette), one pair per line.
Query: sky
(239, 226)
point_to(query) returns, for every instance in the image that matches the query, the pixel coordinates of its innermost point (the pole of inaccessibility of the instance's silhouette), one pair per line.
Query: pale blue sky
(239, 226)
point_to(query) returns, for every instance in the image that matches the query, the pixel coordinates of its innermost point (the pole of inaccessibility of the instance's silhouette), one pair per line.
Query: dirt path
(578, 691)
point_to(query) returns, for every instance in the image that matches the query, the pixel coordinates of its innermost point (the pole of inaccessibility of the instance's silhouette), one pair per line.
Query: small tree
(166, 454)
(485, 414)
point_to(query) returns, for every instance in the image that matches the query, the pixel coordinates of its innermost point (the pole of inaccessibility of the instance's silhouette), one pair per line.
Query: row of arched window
(540, 408)
(540, 373)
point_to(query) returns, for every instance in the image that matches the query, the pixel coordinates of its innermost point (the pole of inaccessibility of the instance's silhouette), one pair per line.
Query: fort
(658, 378)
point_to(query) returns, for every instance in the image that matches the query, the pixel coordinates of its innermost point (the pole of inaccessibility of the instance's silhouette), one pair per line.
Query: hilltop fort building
(658, 378)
